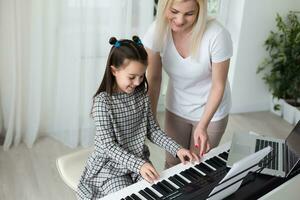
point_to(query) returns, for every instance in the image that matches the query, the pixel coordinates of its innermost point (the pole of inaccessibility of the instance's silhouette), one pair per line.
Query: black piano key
(224, 155)
(166, 183)
(180, 179)
(194, 176)
(204, 168)
(128, 198)
(166, 188)
(176, 182)
(160, 189)
(215, 161)
(211, 163)
(135, 197)
(144, 194)
(192, 170)
(187, 176)
(151, 193)
(218, 160)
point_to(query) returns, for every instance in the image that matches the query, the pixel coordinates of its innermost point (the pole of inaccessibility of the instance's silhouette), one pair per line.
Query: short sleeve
(148, 39)
(221, 46)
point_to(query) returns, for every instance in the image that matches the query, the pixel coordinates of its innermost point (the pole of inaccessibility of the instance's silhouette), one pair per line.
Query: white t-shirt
(190, 79)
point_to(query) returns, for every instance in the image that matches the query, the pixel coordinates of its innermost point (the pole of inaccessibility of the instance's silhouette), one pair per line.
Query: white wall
(250, 22)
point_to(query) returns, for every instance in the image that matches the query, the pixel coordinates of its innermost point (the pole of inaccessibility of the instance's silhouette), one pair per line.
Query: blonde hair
(198, 29)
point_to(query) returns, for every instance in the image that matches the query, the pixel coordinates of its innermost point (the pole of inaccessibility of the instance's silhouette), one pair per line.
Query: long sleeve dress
(123, 121)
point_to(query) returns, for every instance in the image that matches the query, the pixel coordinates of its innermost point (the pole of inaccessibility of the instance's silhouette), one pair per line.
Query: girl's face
(182, 15)
(129, 75)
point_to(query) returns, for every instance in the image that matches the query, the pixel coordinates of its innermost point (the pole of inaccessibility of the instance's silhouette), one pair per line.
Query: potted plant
(282, 66)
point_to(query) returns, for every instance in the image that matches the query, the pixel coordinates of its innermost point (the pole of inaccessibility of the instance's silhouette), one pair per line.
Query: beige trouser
(181, 130)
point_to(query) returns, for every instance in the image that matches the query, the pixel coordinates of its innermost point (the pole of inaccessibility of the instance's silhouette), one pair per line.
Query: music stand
(233, 179)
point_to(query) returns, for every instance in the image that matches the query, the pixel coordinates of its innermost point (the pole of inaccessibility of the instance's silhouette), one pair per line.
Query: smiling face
(129, 75)
(182, 15)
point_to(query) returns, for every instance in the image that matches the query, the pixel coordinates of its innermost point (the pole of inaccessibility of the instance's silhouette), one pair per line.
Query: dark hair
(121, 50)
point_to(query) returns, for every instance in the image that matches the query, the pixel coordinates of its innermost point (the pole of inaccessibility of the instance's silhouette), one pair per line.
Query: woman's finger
(203, 147)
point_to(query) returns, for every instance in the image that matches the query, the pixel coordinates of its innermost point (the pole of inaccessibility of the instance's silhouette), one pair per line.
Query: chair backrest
(70, 166)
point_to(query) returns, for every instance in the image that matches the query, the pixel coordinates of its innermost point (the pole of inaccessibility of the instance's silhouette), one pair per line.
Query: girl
(123, 118)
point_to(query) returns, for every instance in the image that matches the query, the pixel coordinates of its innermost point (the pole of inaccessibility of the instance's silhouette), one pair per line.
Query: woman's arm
(219, 78)
(154, 77)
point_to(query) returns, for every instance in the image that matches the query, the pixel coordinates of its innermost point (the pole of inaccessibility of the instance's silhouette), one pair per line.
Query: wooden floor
(31, 174)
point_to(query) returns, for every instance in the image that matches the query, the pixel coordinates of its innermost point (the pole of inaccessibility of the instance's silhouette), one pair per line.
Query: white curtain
(52, 59)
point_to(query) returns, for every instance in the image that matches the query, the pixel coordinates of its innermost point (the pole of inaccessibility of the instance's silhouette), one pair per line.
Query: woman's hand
(201, 140)
(149, 173)
(183, 154)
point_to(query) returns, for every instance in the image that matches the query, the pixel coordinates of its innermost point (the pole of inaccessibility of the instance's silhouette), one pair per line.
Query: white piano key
(187, 180)
(173, 184)
(140, 196)
(155, 191)
(222, 159)
(201, 172)
(210, 166)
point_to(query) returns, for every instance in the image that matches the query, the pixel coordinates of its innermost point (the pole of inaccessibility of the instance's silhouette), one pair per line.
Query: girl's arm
(154, 77)
(105, 138)
(157, 136)
(219, 78)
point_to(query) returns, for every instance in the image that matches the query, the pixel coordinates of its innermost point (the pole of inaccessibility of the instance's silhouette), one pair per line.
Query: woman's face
(182, 15)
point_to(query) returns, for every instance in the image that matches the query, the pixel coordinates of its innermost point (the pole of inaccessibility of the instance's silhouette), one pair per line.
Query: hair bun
(136, 38)
(113, 40)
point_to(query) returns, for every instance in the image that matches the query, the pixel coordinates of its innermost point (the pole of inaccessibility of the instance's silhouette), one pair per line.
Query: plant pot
(289, 112)
(276, 106)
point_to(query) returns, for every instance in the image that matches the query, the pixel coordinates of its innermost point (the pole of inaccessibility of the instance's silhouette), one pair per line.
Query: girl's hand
(149, 173)
(201, 140)
(184, 153)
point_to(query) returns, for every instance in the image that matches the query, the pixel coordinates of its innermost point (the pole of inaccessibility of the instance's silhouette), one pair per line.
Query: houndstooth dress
(123, 121)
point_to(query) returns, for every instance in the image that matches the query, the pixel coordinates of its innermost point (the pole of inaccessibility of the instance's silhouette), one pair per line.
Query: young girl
(123, 118)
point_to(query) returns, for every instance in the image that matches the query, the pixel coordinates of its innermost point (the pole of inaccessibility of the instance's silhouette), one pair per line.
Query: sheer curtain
(52, 58)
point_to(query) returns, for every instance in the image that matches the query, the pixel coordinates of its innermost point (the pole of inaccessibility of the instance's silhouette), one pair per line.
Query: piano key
(135, 197)
(166, 188)
(210, 166)
(204, 168)
(215, 163)
(212, 163)
(193, 170)
(221, 160)
(160, 189)
(144, 194)
(172, 183)
(128, 198)
(151, 193)
(187, 176)
(175, 181)
(193, 175)
(224, 155)
(168, 185)
(179, 178)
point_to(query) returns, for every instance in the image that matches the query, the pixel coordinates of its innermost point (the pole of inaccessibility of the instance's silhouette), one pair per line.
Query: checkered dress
(123, 121)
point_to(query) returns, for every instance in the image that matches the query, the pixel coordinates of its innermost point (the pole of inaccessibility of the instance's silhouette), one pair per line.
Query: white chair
(70, 166)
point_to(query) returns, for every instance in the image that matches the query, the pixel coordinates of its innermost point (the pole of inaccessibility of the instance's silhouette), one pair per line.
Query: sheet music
(245, 165)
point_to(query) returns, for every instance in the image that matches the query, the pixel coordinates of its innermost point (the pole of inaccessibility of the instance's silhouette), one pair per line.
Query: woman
(195, 52)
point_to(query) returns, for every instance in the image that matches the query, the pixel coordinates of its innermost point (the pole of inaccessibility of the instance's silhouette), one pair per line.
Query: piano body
(196, 181)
